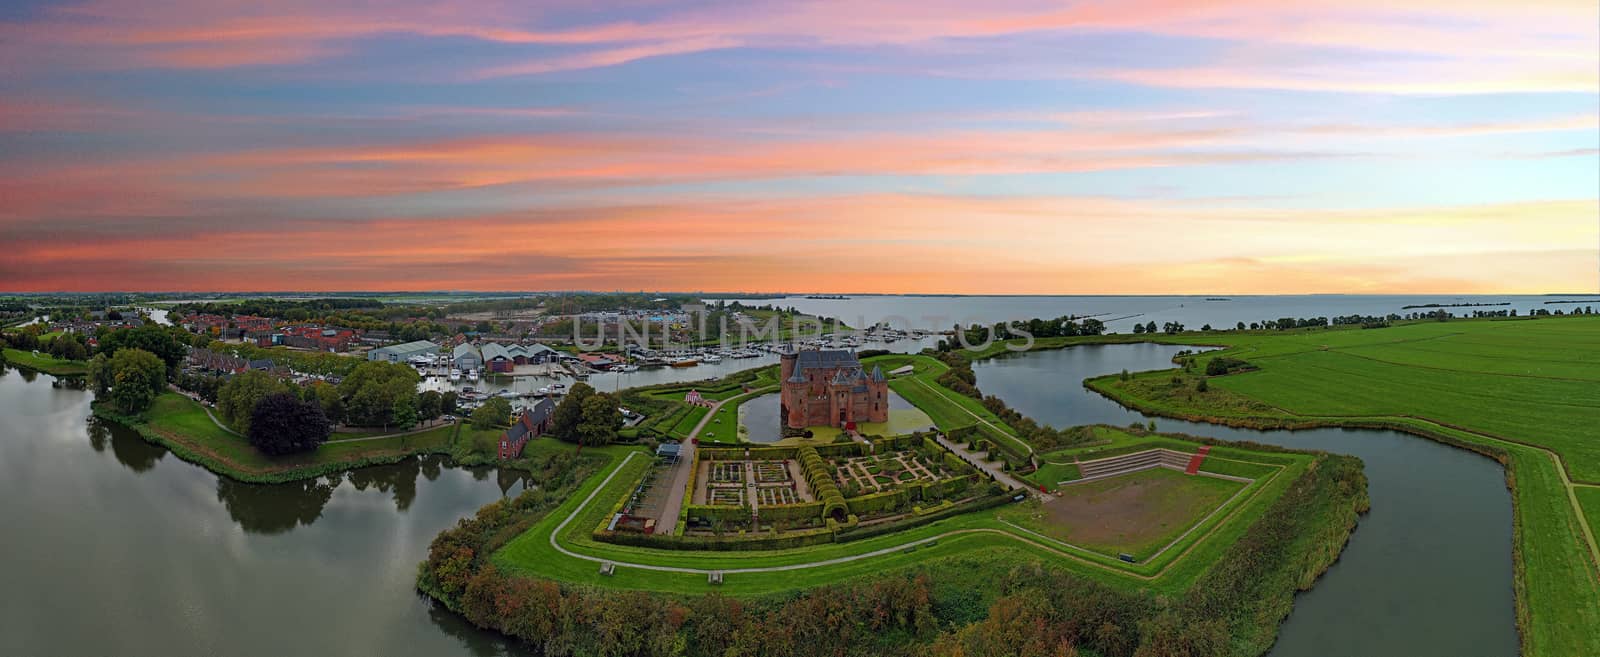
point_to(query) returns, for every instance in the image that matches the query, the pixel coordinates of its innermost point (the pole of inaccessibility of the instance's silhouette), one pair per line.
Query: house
(263, 364)
(220, 363)
(400, 353)
(599, 361)
(318, 338)
(828, 387)
(533, 423)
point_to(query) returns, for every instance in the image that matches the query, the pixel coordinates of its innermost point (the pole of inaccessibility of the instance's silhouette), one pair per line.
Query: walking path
(667, 521)
(980, 418)
(995, 470)
(1054, 546)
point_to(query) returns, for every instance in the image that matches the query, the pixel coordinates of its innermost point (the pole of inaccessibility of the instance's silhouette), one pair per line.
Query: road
(667, 520)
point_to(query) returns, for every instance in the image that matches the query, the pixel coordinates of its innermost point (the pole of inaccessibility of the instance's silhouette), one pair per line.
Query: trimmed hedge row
(846, 535)
(723, 512)
(877, 502)
(800, 511)
(821, 482)
(726, 543)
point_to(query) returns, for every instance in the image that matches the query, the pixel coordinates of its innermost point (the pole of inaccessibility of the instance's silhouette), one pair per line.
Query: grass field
(182, 425)
(46, 364)
(532, 552)
(946, 408)
(1529, 389)
(686, 424)
(1136, 513)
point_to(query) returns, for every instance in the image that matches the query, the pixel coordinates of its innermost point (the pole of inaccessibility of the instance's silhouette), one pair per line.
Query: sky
(1004, 146)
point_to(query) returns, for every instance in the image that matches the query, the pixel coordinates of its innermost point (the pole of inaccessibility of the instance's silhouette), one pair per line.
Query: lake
(1121, 312)
(115, 546)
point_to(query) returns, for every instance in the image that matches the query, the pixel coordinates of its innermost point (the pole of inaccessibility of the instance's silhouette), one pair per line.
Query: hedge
(821, 482)
(877, 502)
(723, 512)
(726, 543)
(800, 511)
(846, 535)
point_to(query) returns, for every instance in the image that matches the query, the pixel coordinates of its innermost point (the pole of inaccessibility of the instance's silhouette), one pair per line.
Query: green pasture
(1519, 387)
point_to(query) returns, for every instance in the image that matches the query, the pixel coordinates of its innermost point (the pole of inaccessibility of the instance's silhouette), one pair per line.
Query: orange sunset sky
(1016, 147)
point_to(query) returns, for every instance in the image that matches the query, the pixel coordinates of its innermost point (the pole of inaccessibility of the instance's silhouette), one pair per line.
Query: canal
(1428, 573)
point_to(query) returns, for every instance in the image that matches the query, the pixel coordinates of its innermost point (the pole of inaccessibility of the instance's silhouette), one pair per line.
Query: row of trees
(584, 417)
(1061, 327)
(280, 417)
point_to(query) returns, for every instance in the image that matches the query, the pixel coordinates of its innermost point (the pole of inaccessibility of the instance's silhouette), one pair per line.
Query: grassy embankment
(181, 425)
(532, 553)
(46, 364)
(1526, 392)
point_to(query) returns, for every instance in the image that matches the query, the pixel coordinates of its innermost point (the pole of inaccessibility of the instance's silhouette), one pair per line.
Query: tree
(282, 423)
(1138, 329)
(238, 397)
(430, 404)
(448, 401)
(170, 344)
(404, 412)
(1202, 386)
(135, 377)
(1151, 327)
(569, 413)
(327, 396)
(493, 414)
(601, 420)
(484, 327)
(100, 374)
(374, 390)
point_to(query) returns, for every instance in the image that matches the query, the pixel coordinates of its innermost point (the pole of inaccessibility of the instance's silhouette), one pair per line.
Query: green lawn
(946, 408)
(687, 423)
(531, 553)
(45, 363)
(1520, 387)
(183, 426)
(1589, 498)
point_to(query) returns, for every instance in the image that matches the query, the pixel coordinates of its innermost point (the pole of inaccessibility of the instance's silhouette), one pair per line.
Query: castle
(829, 388)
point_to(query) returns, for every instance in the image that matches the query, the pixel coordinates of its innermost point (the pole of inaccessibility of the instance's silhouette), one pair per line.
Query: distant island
(1575, 301)
(1218, 299)
(826, 296)
(1456, 305)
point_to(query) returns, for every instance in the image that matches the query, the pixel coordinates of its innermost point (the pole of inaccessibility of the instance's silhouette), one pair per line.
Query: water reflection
(399, 480)
(275, 508)
(201, 565)
(131, 450)
(477, 642)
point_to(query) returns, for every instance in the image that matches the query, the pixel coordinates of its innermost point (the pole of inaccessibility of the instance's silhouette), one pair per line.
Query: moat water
(115, 546)
(1427, 573)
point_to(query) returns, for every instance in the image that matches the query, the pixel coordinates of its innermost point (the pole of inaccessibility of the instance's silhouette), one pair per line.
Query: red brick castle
(829, 388)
